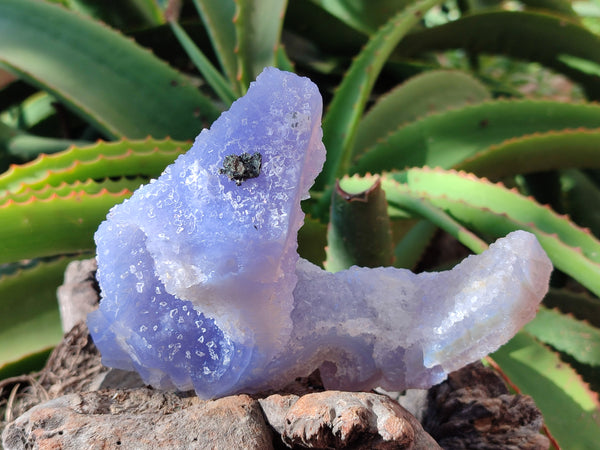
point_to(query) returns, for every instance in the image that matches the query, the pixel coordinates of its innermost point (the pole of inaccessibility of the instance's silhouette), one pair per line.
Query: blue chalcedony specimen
(202, 286)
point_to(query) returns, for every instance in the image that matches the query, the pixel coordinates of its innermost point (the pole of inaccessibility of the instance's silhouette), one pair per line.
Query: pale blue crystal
(202, 286)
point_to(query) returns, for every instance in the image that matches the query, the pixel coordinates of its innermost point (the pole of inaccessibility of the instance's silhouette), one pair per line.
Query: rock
(78, 295)
(473, 409)
(413, 400)
(358, 420)
(275, 407)
(140, 418)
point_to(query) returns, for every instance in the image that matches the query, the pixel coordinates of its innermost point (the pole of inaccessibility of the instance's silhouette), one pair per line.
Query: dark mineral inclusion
(242, 167)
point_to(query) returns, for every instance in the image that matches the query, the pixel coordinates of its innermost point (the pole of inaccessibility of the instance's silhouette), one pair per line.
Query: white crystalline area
(392, 328)
(386, 327)
(202, 287)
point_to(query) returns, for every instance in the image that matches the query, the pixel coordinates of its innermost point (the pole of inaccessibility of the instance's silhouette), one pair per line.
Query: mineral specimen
(202, 286)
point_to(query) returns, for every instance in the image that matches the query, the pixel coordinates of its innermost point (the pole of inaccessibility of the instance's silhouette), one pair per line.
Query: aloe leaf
(432, 91)
(570, 260)
(359, 231)
(258, 25)
(124, 14)
(447, 139)
(27, 146)
(421, 206)
(567, 334)
(29, 113)
(544, 187)
(218, 20)
(150, 10)
(537, 153)
(282, 61)
(28, 363)
(29, 317)
(56, 225)
(13, 90)
(409, 250)
(582, 65)
(146, 157)
(341, 121)
(559, 6)
(202, 63)
(581, 305)
(114, 84)
(24, 146)
(570, 409)
(581, 195)
(312, 239)
(312, 23)
(517, 34)
(493, 210)
(482, 194)
(65, 189)
(362, 15)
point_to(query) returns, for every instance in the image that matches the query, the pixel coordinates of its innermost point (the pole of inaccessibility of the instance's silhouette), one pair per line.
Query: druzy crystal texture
(202, 287)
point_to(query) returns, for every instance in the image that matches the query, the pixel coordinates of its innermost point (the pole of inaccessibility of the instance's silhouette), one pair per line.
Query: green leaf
(29, 317)
(114, 84)
(432, 91)
(447, 139)
(567, 334)
(29, 113)
(362, 15)
(480, 193)
(583, 65)
(410, 249)
(312, 239)
(537, 153)
(530, 36)
(146, 157)
(202, 63)
(258, 24)
(282, 61)
(124, 14)
(559, 6)
(420, 206)
(341, 121)
(359, 232)
(218, 20)
(54, 226)
(570, 409)
(25, 146)
(65, 189)
(31, 362)
(581, 305)
(494, 211)
(320, 30)
(581, 195)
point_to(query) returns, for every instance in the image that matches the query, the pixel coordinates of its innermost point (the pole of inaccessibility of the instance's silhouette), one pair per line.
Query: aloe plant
(419, 143)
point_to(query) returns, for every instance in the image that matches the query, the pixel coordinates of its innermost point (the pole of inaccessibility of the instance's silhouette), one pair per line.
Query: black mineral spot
(242, 167)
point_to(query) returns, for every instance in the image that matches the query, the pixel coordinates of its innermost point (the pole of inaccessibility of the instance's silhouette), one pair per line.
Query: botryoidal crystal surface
(202, 287)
